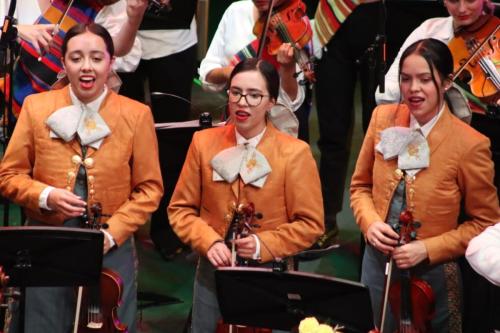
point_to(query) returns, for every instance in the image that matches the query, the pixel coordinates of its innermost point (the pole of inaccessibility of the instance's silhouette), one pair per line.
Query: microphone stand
(375, 54)
(7, 46)
(380, 41)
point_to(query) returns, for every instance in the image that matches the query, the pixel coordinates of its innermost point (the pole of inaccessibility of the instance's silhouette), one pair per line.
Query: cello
(411, 299)
(96, 310)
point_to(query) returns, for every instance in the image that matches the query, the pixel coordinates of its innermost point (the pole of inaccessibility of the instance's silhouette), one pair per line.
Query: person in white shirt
(168, 61)
(483, 254)
(235, 32)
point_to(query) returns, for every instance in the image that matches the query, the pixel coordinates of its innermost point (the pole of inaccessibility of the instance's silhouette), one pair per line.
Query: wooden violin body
(411, 299)
(476, 57)
(287, 25)
(97, 306)
(103, 319)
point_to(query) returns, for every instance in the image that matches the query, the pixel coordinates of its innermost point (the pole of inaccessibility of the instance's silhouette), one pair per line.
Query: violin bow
(264, 31)
(58, 24)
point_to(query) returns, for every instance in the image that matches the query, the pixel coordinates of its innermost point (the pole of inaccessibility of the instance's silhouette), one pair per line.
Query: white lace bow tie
(71, 120)
(243, 160)
(409, 146)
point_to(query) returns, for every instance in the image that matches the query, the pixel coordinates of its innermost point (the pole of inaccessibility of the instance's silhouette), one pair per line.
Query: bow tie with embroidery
(73, 120)
(409, 146)
(242, 160)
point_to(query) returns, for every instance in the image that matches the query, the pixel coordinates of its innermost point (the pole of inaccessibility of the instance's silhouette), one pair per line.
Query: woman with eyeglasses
(248, 162)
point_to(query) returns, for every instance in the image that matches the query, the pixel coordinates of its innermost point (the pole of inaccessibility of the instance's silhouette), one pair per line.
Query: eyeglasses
(252, 99)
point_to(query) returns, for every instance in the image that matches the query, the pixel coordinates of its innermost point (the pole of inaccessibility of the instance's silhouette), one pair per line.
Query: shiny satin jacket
(290, 200)
(460, 170)
(123, 174)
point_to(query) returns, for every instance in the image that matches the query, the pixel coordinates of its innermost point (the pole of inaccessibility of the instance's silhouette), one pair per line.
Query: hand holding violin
(65, 202)
(39, 35)
(410, 255)
(246, 247)
(219, 255)
(382, 237)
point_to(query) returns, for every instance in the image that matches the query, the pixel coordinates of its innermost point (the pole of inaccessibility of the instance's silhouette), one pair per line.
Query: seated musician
(413, 160)
(77, 146)
(246, 162)
(232, 43)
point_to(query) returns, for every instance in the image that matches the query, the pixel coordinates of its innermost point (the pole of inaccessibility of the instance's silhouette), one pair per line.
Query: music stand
(259, 297)
(51, 256)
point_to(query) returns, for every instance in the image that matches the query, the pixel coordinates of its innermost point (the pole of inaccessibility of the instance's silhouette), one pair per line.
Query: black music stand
(50, 257)
(260, 297)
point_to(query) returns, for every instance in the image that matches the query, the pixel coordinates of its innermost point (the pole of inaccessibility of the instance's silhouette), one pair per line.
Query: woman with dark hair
(247, 163)
(466, 17)
(419, 158)
(40, 39)
(76, 147)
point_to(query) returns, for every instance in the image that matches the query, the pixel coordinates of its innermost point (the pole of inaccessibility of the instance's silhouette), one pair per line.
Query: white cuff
(42, 199)
(256, 255)
(109, 237)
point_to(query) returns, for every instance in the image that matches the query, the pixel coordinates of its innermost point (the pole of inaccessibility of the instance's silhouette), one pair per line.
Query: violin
(97, 306)
(411, 299)
(286, 24)
(241, 217)
(476, 57)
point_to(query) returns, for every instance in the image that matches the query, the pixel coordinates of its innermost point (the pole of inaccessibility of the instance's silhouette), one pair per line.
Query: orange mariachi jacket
(290, 200)
(124, 175)
(460, 169)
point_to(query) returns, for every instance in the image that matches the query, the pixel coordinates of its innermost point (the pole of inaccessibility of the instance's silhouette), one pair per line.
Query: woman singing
(244, 163)
(418, 157)
(77, 146)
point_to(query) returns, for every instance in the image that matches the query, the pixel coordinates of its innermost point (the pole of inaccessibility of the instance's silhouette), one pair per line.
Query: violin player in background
(413, 160)
(40, 64)
(77, 146)
(467, 17)
(229, 46)
(245, 162)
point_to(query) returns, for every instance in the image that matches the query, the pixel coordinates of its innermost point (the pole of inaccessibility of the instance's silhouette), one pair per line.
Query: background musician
(276, 171)
(36, 22)
(234, 33)
(77, 146)
(429, 174)
(168, 61)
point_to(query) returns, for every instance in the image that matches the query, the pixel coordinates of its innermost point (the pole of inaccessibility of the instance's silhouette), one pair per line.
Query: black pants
(172, 75)
(336, 74)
